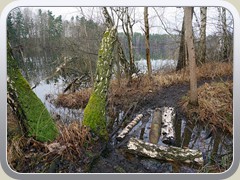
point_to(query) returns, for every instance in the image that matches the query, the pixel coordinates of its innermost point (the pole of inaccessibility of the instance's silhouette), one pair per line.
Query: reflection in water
(193, 136)
(187, 134)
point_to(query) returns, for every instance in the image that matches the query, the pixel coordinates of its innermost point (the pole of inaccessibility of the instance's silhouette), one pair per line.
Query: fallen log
(129, 127)
(168, 153)
(155, 131)
(167, 129)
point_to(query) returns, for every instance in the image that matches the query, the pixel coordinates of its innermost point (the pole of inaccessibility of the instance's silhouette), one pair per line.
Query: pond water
(47, 90)
(157, 65)
(193, 136)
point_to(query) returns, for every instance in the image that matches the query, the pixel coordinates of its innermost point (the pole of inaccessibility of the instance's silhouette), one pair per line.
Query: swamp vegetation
(76, 106)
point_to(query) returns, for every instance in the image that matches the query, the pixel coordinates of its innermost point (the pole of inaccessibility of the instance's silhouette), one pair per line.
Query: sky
(171, 17)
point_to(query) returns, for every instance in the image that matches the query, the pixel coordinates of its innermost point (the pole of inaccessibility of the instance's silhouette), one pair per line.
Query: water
(47, 92)
(157, 65)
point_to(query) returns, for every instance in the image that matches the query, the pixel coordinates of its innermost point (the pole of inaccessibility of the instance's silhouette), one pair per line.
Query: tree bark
(167, 129)
(155, 131)
(202, 45)
(225, 38)
(182, 55)
(129, 127)
(169, 153)
(121, 55)
(95, 111)
(147, 44)
(35, 119)
(191, 54)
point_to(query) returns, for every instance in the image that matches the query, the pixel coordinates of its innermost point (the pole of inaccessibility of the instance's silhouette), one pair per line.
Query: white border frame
(139, 3)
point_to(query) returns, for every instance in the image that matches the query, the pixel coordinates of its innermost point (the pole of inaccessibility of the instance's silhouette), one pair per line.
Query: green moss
(38, 122)
(95, 111)
(96, 119)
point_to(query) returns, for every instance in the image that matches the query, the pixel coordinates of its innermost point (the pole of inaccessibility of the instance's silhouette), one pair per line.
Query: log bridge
(162, 127)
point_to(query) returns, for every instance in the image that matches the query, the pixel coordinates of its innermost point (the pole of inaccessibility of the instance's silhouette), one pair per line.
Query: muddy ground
(115, 160)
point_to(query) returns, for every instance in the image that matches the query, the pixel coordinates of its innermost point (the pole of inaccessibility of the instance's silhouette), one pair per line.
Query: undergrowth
(121, 95)
(70, 152)
(215, 105)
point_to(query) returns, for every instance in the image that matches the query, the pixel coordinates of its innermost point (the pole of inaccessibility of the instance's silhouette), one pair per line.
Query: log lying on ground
(155, 131)
(129, 127)
(167, 129)
(169, 153)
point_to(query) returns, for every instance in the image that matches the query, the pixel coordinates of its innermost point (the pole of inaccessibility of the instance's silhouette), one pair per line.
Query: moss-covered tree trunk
(35, 119)
(95, 111)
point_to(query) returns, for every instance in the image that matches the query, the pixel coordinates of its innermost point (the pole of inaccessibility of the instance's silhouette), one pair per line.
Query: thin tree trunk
(182, 55)
(225, 38)
(191, 55)
(147, 44)
(202, 46)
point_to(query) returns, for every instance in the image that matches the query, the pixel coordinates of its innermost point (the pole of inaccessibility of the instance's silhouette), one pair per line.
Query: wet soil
(116, 160)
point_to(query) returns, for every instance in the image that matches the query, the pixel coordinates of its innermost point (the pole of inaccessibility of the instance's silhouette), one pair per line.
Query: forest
(120, 90)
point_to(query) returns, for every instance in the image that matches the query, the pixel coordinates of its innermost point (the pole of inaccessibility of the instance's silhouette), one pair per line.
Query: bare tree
(127, 25)
(182, 50)
(147, 44)
(224, 34)
(120, 53)
(202, 45)
(191, 54)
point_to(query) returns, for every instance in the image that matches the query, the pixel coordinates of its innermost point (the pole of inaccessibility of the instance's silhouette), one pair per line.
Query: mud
(116, 160)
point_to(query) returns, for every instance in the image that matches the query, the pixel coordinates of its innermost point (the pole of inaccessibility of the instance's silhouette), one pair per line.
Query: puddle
(191, 136)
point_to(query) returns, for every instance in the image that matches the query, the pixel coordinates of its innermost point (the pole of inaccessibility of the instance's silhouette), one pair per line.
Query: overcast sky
(170, 16)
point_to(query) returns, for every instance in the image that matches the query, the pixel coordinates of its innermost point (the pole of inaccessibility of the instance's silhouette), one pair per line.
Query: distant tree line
(40, 33)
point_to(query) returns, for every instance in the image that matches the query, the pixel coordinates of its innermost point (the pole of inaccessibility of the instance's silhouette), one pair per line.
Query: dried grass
(126, 93)
(74, 100)
(215, 105)
(28, 155)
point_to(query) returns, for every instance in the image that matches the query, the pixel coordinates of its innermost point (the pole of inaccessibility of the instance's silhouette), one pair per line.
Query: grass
(215, 105)
(28, 155)
(124, 94)
(74, 143)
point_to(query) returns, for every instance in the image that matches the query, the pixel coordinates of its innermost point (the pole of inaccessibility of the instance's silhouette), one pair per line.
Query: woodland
(120, 90)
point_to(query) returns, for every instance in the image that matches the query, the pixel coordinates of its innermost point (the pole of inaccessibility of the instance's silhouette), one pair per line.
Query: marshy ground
(73, 150)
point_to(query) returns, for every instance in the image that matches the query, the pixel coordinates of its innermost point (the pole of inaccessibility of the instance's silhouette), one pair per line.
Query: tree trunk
(182, 55)
(167, 129)
(129, 127)
(191, 54)
(155, 130)
(130, 43)
(169, 153)
(147, 44)
(225, 38)
(95, 111)
(121, 55)
(35, 119)
(202, 45)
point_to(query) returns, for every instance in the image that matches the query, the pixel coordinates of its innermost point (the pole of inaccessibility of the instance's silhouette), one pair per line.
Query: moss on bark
(95, 111)
(30, 110)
